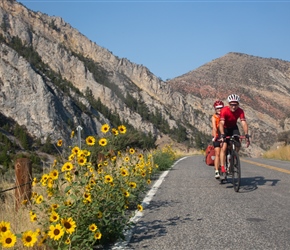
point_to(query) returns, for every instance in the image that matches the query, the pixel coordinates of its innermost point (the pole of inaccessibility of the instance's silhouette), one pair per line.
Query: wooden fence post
(23, 175)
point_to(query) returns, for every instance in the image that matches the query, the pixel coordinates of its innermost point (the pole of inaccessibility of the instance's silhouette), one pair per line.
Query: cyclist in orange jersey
(218, 105)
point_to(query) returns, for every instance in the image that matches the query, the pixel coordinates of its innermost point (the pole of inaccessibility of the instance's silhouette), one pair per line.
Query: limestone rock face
(31, 98)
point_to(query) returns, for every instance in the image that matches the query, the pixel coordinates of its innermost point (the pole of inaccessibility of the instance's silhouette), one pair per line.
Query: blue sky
(172, 38)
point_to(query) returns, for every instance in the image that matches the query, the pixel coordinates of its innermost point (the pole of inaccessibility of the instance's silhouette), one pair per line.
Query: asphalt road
(190, 209)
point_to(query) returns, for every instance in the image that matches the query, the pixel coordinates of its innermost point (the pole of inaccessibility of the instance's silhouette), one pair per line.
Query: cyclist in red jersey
(218, 105)
(228, 124)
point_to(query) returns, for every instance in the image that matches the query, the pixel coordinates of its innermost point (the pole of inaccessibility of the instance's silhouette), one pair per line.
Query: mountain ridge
(180, 105)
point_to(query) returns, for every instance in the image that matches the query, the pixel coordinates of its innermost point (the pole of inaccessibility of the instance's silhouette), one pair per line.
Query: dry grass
(181, 153)
(281, 153)
(19, 219)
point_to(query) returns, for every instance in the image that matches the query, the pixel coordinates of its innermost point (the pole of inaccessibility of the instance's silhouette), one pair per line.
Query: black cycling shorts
(233, 131)
(216, 144)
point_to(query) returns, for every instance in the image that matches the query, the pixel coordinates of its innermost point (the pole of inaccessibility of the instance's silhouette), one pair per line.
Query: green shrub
(164, 158)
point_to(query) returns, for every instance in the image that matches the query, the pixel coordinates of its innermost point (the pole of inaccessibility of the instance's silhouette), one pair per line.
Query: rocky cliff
(31, 97)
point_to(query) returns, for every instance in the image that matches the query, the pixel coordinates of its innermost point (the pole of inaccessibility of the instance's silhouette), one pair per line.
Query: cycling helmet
(233, 98)
(218, 104)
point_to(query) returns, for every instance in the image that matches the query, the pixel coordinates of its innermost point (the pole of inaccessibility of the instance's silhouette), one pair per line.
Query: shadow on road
(249, 184)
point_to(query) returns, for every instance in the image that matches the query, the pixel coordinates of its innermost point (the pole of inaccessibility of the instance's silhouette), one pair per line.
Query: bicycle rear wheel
(236, 171)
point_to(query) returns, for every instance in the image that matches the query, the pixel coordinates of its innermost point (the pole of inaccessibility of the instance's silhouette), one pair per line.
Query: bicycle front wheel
(236, 170)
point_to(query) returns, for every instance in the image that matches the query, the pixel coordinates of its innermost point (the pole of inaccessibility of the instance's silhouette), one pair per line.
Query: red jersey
(230, 117)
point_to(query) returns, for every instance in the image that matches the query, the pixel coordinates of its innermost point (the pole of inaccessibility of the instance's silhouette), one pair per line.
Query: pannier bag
(209, 155)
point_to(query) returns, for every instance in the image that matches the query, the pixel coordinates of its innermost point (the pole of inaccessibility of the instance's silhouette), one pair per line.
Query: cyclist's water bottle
(229, 160)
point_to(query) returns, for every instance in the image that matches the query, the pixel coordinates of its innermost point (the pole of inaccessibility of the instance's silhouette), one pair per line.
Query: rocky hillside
(262, 83)
(50, 73)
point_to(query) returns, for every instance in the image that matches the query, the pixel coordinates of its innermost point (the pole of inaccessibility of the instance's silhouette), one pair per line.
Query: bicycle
(233, 165)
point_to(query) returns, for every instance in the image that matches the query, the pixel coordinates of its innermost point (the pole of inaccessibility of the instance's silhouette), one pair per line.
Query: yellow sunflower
(54, 206)
(122, 129)
(68, 203)
(34, 182)
(69, 225)
(99, 215)
(44, 179)
(124, 172)
(132, 184)
(92, 182)
(103, 142)
(54, 174)
(67, 166)
(75, 150)
(86, 152)
(39, 199)
(56, 231)
(87, 197)
(29, 238)
(33, 216)
(68, 176)
(54, 217)
(93, 227)
(7, 239)
(132, 151)
(108, 179)
(72, 134)
(82, 161)
(126, 194)
(115, 131)
(90, 140)
(140, 208)
(98, 235)
(59, 143)
(105, 128)
(4, 227)
(67, 241)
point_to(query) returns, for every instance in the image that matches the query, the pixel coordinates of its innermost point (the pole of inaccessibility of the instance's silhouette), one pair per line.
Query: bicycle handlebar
(240, 136)
(233, 136)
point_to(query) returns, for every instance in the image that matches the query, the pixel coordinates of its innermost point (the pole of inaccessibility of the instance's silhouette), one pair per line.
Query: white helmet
(233, 98)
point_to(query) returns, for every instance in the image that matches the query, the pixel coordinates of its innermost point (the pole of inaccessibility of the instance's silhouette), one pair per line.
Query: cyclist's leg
(237, 139)
(217, 151)
(223, 155)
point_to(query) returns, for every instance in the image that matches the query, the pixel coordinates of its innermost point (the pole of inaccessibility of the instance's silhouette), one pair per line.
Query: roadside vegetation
(87, 196)
(281, 153)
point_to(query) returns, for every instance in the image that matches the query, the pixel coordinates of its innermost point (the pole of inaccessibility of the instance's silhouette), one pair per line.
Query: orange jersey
(217, 122)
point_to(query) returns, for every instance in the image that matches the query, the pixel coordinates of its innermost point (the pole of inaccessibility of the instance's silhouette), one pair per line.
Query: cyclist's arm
(214, 128)
(245, 126)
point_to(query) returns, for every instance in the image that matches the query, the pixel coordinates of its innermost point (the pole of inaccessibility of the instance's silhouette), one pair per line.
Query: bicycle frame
(232, 145)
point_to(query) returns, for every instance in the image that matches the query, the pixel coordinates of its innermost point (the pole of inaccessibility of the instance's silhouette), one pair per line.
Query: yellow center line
(267, 166)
